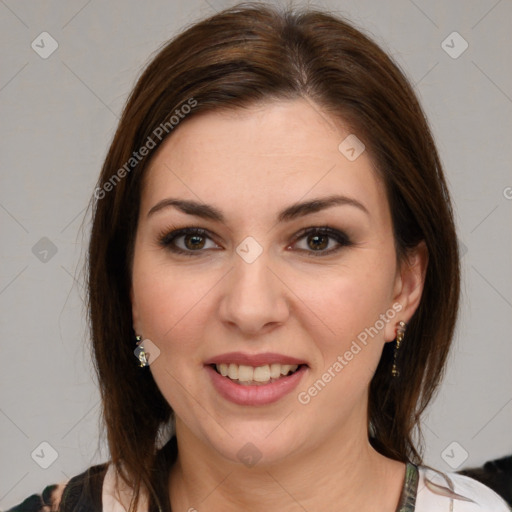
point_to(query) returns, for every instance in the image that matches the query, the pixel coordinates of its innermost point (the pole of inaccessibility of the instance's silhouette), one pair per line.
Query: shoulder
(438, 491)
(82, 492)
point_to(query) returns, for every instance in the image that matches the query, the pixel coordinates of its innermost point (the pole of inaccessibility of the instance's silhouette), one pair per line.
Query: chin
(254, 442)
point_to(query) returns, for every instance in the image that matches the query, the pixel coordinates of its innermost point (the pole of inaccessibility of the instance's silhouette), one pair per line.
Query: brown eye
(321, 241)
(187, 241)
(194, 241)
(318, 242)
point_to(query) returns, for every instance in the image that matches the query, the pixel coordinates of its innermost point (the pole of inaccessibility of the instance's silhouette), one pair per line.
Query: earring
(139, 352)
(400, 332)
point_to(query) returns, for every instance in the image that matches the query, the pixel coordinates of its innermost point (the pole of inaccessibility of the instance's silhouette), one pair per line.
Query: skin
(251, 164)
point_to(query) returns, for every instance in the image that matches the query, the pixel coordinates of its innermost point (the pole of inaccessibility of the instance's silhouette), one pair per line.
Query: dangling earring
(400, 332)
(139, 352)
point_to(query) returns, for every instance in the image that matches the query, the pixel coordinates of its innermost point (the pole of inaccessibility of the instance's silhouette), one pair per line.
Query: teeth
(223, 369)
(233, 371)
(275, 370)
(261, 373)
(285, 368)
(244, 373)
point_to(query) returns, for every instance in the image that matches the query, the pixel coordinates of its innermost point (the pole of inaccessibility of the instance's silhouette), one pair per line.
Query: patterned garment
(408, 499)
(424, 490)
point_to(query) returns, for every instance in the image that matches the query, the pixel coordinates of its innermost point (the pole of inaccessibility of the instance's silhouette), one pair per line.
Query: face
(265, 273)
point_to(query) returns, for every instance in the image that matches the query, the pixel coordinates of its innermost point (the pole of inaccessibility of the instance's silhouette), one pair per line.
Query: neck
(342, 470)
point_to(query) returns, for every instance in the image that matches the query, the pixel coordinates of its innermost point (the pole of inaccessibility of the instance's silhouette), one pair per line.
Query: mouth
(255, 376)
(259, 379)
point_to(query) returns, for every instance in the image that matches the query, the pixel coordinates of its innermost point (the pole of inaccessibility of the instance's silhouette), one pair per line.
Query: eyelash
(167, 239)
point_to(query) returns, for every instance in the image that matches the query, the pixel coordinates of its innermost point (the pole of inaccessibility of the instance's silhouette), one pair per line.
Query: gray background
(58, 117)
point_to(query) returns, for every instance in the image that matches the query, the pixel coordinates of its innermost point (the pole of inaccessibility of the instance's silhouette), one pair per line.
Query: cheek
(354, 308)
(171, 313)
(154, 300)
(169, 304)
(346, 302)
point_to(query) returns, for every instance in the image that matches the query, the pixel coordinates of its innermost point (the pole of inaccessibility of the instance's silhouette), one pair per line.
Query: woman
(273, 279)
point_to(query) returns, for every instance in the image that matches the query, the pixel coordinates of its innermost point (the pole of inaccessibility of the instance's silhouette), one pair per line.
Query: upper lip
(253, 359)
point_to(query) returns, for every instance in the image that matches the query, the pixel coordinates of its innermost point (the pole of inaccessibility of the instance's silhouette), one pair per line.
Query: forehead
(265, 156)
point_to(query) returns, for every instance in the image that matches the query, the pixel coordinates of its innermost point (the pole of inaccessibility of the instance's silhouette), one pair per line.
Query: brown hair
(240, 56)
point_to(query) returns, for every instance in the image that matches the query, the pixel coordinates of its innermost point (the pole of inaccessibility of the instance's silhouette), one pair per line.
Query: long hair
(240, 56)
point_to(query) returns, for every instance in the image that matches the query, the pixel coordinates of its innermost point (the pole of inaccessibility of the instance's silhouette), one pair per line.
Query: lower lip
(255, 395)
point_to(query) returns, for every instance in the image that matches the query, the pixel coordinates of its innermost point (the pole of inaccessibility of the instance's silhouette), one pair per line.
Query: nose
(255, 298)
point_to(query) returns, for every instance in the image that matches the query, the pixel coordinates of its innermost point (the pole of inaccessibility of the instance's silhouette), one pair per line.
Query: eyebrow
(292, 212)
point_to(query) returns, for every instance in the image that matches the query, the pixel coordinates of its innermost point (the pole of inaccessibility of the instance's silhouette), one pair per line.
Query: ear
(408, 286)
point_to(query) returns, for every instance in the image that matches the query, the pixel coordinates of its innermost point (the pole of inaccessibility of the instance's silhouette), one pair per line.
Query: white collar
(116, 495)
(447, 492)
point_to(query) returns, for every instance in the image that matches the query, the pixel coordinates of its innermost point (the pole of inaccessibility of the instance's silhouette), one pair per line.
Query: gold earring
(139, 352)
(400, 333)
